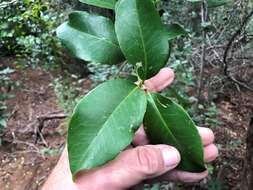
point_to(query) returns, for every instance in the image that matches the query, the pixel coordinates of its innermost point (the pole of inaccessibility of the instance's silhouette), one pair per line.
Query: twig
(240, 83)
(231, 69)
(121, 68)
(215, 46)
(40, 124)
(15, 141)
(204, 14)
(13, 112)
(213, 49)
(242, 57)
(228, 47)
(44, 118)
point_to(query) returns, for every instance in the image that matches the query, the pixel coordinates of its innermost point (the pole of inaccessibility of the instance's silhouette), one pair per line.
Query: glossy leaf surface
(109, 4)
(104, 123)
(167, 123)
(91, 38)
(142, 37)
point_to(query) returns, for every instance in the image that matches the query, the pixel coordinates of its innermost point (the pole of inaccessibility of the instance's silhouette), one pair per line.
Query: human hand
(138, 162)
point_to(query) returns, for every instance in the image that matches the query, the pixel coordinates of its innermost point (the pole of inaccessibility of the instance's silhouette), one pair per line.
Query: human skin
(138, 163)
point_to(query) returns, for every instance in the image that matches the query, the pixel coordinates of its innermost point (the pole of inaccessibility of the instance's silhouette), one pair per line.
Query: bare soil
(26, 164)
(234, 112)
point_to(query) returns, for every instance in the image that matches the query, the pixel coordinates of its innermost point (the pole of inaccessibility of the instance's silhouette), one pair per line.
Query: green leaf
(175, 30)
(167, 123)
(3, 122)
(217, 3)
(103, 123)
(109, 4)
(142, 37)
(91, 38)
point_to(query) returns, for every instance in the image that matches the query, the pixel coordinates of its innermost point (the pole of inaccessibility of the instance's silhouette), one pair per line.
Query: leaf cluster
(105, 120)
(27, 31)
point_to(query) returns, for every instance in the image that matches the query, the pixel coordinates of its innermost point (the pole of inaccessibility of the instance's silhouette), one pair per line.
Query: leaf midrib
(164, 123)
(142, 40)
(102, 128)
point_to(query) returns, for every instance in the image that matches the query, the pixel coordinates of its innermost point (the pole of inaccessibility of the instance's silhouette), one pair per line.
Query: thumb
(135, 165)
(145, 162)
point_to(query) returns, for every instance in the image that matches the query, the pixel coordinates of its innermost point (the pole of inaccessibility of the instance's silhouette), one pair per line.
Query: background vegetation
(213, 67)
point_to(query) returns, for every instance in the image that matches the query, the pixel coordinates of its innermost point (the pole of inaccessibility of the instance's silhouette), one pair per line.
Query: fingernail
(171, 156)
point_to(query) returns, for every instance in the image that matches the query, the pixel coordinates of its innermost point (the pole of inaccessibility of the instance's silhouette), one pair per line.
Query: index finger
(160, 81)
(206, 134)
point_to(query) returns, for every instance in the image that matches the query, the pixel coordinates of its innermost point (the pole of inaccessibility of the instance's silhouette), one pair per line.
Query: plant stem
(204, 14)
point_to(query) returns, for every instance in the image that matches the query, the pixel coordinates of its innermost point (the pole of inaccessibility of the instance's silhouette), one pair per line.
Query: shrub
(27, 31)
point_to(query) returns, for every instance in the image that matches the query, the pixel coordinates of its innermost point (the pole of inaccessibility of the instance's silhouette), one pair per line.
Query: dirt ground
(25, 163)
(234, 113)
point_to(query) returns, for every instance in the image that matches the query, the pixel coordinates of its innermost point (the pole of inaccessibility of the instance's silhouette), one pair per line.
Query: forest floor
(25, 163)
